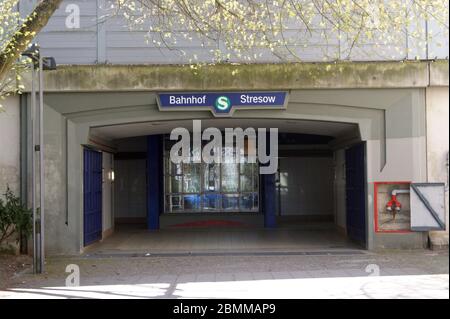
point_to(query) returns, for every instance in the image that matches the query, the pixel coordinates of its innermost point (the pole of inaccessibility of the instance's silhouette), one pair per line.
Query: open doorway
(130, 189)
(322, 189)
(204, 206)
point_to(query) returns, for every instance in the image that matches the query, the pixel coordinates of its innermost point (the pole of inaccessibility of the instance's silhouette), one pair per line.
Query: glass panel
(248, 168)
(256, 200)
(196, 187)
(175, 184)
(230, 202)
(230, 177)
(166, 164)
(248, 178)
(211, 175)
(211, 201)
(173, 203)
(196, 153)
(191, 178)
(247, 202)
(192, 202)
(251, 146)
(228, 155)
(175, 169)
(246, 183)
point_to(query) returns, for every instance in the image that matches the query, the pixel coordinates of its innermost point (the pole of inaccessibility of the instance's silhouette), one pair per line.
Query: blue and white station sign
(221, 103)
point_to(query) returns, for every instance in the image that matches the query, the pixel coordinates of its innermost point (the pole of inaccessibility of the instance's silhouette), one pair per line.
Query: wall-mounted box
(427, 206)
(392, 207)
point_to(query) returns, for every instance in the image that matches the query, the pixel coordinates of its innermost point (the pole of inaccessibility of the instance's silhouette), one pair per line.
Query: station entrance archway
(318, 191)
(395, 148)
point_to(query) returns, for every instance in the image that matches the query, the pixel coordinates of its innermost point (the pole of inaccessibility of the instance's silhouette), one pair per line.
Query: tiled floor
(253, 239)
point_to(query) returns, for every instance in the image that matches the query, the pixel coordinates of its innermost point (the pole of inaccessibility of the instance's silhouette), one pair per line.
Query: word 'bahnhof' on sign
(221, 103)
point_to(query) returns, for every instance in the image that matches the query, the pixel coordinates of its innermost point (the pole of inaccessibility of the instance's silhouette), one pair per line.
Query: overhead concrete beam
(85, 78)
(439, 73)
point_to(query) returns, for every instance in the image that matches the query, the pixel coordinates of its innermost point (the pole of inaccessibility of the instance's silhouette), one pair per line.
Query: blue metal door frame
(92, 196)
(355, 175)
(155, 180)
(268, 207)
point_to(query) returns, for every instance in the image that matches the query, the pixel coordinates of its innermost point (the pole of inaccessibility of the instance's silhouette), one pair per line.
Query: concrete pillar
(437, 109)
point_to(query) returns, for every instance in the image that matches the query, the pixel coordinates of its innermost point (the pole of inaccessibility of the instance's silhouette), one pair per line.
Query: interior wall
(107, 192)
(130, 189)
(306, 186)
(130, 186)
(339, 189)
(131, 144)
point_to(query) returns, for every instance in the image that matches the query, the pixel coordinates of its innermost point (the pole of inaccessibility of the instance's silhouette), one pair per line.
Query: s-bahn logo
(221, 103)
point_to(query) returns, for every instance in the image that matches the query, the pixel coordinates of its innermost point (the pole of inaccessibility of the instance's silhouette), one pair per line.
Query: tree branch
(23, 37)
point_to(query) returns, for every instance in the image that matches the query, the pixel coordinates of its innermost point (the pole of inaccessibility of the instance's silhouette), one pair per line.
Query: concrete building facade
(351, 133)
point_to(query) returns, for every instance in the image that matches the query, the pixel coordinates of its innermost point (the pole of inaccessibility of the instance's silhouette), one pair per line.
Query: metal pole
(33, 179)
(41, 162)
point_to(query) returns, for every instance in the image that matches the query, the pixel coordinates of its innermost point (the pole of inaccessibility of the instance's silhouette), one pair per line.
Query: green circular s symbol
(222, 103)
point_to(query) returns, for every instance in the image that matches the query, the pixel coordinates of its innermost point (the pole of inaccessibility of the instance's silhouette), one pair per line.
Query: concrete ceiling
(333, 129)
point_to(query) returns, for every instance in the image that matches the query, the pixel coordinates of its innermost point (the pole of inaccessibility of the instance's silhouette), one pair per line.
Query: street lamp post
(40, 63)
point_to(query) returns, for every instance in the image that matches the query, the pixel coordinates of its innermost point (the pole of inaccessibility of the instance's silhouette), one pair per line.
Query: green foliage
(10, 21)
(16, 34)
(15, 218)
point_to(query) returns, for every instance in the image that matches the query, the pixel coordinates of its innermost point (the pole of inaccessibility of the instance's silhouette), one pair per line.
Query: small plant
(15, 218)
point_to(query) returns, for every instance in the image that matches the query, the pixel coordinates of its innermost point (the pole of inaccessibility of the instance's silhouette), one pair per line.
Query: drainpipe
(394, 206)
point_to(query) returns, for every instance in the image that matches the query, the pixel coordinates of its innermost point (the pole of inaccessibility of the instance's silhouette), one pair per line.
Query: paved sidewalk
(418, 274)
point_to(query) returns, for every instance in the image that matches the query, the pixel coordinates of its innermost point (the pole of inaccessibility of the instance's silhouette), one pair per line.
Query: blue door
(356, 193)
(92, 196)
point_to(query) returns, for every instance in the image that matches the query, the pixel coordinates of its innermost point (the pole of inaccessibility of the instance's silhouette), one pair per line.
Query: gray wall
(108, 193)
(9, 145)
(306, 186)
(111, 41)
(437, 149)
(340, 208)
(130, 197)
(10, 151)
(61, 228)
(130, 189)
